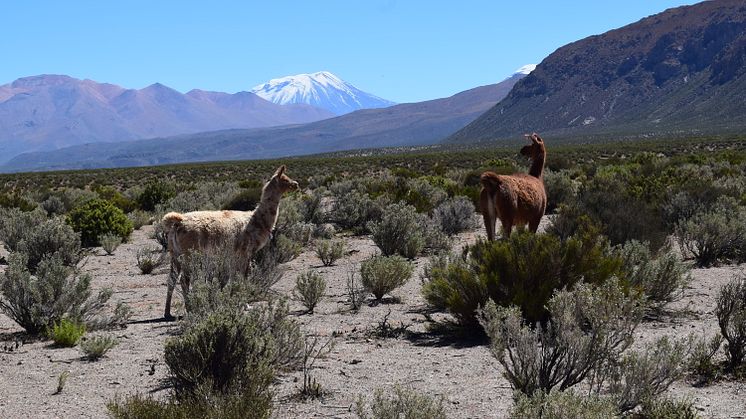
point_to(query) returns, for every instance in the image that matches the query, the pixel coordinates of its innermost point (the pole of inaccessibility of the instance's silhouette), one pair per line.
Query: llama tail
(171, 219)
(490, 181)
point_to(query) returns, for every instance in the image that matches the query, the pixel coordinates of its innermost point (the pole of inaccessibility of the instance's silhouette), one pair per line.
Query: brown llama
(516, 199)
(200, 230)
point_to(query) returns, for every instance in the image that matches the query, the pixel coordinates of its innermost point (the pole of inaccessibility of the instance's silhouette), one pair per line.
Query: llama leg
(507, 229)
(534, 225)
(489, 225)
(173, 277)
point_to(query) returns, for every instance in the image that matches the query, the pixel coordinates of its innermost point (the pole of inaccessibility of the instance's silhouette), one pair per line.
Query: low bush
(354, 211)
(662, 278)
(110, 242)
(139, 219)
(524, 270)
(700, 365)
(383, 274)
(231, 351)
(400, 231)
(14, 200)
(329, 251)
(50, 238)
(309, 289)
(730, 311)
(246, 200)
(66, 333)
(206, 405)
(155, 193)
(403, 403)
(95, 347)
(37, 302)
(53, 205)
(148, 258)
(718, 235)
(662, 408)
(562, 405)
(96, 218)
(560, 188)
(112, 195)
(202, 196)
(324, 231)
(455, 215)
(588, 328)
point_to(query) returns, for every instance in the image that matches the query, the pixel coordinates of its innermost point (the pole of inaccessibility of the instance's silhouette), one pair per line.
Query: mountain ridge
(682, 70)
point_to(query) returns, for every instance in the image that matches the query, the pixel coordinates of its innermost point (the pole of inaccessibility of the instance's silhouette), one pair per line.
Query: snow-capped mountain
(322, 89)
(526, 69)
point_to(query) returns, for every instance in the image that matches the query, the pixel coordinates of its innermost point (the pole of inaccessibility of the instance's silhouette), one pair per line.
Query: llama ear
(280, 170)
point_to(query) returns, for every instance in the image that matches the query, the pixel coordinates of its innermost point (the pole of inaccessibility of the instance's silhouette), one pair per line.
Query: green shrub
(14, 200)
(718, 235)
(50, 238)
(206, 404)
(400, 231)
(383, 274)
(112, 195)
(660, 408)
(155, 193)
(455, 215)
(662, 278)
(66, 333)
(524, 270)
(110, 242)
(202, 196)
(421, 194)
(560, 188)
(245, 200)
(353, 211)
(148, 258)
(700, 365)
(588, 328)
(403, 403)
(139, 218)
(309, 289)
(231, 351)
(95, 347)
(53, 205)
(98, 217)
(562, 405)
(731, 314)
(37, 302)
(329, 251)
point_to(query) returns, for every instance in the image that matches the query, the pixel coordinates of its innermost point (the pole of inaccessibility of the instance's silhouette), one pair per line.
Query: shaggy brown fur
(199, 230)
(516, 199)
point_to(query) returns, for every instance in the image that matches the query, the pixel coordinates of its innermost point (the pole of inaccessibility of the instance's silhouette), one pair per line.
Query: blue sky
(404, 51)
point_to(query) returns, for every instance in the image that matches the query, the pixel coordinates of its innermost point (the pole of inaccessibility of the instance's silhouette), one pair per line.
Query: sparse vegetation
(400, 231)
(148, 258)
(731, 315)
(95, 347)
(455, 215)
(309, 289)
(110, 242)
(66, 333)
(403, 403)
(329, 251)
(702, 352)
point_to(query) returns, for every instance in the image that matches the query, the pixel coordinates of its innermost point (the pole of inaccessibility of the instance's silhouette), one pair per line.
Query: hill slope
(51, 111)
(683, 70)
(400, 125)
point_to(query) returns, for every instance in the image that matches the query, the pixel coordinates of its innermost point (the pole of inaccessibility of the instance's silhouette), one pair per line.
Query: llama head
(281, 182)
(536, 149)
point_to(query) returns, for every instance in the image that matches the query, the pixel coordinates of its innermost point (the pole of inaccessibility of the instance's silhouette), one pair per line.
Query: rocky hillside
(680, 71)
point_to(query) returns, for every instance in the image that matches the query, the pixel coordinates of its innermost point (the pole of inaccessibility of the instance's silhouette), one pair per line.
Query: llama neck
(537, 166)
(265, 216)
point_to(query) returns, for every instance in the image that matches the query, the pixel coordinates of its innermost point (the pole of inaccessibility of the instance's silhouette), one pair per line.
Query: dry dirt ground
(465, 375)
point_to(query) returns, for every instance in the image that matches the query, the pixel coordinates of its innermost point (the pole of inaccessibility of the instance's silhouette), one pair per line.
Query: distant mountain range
(679, 71)
(52, 111)
(322, 90)
(399, 125)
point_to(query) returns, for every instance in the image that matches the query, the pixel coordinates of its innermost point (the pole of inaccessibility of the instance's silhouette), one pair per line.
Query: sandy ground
(465, 375)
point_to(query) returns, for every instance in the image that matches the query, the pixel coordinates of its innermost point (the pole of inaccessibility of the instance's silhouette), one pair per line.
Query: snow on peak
(322, 89)
(526, 69)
